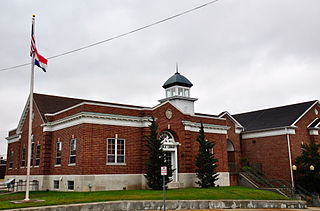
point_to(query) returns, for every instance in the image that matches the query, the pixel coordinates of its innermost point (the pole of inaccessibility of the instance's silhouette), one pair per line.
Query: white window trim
(58, 185)
(57, 153)
(116, 152)
(35, 159)
(73, 164)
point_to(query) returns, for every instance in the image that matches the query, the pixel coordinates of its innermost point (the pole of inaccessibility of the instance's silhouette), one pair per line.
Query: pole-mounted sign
(164, 174)
(163, 170)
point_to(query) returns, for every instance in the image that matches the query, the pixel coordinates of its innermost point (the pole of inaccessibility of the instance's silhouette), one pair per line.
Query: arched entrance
(231, 156)
(169, 146)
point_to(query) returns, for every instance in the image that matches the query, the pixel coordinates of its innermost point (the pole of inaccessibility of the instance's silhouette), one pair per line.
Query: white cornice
(208, 117)
(13, 138)
(98, 104)
(97, 118)
(23, 117)
(267, 133)
(208, 128)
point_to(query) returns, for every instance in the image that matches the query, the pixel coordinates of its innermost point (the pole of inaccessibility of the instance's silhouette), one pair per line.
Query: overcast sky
(241, 55)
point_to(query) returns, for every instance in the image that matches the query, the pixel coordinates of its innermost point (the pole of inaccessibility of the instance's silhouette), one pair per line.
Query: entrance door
(169, 146)
(170, 156)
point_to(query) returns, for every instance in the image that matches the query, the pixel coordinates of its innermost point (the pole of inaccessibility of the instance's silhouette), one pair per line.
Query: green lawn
(53, 198)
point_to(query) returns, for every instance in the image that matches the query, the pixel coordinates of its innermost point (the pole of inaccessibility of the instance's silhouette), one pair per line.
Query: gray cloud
(240, 55)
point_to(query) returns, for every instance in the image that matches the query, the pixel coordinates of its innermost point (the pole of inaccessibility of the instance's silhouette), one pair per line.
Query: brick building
(87, 145)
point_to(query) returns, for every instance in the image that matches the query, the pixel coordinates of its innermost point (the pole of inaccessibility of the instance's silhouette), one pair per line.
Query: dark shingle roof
(272, 117)
(52, 104)
(315, 123)
(177, 79)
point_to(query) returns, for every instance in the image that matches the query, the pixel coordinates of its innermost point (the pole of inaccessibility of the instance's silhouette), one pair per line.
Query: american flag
(33, 42)
(39, 60)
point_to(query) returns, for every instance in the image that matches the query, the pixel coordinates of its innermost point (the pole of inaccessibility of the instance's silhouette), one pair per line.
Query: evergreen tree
(308, 179)
(156, 160)
(205, 162)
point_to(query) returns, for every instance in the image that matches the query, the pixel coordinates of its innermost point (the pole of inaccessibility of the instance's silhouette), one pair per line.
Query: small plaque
(168, 114)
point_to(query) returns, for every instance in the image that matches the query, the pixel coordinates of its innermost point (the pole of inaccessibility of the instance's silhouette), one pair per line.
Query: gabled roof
(283, 116)
(49, 104)
(226, 113)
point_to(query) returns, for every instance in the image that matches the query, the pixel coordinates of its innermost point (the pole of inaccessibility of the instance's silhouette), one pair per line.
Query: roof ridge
(277, 107)
(90, 101)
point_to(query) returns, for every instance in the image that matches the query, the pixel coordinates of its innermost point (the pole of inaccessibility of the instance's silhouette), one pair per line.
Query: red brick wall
(271, 152)
(92, 145)
(17, 146)
(235, 139)
(302, 132)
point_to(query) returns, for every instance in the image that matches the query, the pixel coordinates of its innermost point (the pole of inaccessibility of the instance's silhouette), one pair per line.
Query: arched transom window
(167, 138)
(168, 141)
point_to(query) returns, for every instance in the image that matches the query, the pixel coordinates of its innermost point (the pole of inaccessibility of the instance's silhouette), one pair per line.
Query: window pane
(56, 184)
(111, 159)
(23, 160)
(58, 161)
(58, 149)
(186, 92)
(120, 147)
(70, 185)
(120, 159)
(168, 93)
(72, 159)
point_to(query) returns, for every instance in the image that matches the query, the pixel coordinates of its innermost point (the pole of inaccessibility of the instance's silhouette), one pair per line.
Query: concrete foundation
(110, 181)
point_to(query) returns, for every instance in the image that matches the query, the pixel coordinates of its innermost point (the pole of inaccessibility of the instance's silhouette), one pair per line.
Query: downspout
(290, 159)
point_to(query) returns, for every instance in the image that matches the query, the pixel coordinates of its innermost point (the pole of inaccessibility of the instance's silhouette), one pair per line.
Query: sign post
(164, 174)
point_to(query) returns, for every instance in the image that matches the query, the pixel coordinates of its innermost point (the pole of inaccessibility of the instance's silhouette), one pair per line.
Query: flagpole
(30, 119)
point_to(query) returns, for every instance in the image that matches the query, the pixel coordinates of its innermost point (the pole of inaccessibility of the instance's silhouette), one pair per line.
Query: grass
(54, 198)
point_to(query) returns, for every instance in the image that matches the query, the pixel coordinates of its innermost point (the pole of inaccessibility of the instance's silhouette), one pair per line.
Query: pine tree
(310, 180)
(205, 162)
(156, 160)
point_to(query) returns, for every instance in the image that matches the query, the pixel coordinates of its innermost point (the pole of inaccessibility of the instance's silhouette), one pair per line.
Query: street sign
(163, 170)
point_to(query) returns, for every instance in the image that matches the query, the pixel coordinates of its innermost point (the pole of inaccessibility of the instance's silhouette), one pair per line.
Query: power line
(120, 35)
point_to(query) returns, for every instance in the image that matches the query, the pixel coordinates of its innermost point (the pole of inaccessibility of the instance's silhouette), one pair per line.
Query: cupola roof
(177, 79)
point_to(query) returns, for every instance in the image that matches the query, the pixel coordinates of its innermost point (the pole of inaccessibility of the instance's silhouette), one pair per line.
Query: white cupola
(177, 91)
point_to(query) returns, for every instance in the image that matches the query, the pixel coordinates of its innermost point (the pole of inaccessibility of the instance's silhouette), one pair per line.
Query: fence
(21, 185)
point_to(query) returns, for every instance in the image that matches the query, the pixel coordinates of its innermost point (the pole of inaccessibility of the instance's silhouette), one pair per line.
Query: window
(70, 185)
(11, 160)
(23, 158)
(73, 151)
(115, 150)
(58, 152)
(173, 91)
(56, 184)
(38, 155)
(168, 93)
(186, 92)
(180, 91)
(32, 150)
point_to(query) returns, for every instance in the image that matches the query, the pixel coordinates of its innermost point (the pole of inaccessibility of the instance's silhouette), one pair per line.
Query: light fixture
(311, 168)
(294, 167)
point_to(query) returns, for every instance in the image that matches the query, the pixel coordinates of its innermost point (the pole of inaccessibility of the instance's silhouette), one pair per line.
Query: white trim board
(267, 133)
(14, 138)
(208, 128)
(315, 103)
(96, 118)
